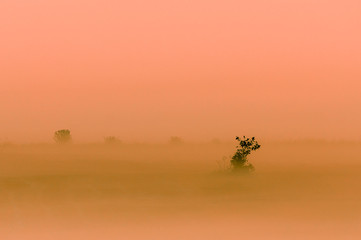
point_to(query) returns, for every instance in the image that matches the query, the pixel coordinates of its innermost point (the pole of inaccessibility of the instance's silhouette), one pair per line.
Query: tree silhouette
(62, 136)
(239, 161)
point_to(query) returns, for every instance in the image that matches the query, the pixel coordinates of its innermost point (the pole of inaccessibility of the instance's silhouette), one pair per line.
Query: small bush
(216, 141)
(175, 140)
(112, 140)
(239, 161)
(62, 136)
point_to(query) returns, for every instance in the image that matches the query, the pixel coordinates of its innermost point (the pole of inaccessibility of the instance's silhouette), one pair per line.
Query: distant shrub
(175, 140)
(216, 141)
(239, 161)
(112, 140)
(62, 136)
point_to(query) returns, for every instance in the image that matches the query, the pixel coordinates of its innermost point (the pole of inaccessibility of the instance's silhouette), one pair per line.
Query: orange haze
(146, 70)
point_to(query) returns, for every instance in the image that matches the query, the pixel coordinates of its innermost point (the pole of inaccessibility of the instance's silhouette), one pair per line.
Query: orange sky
(146, 70)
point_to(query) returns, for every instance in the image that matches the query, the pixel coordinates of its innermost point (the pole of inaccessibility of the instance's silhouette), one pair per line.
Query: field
(300, 190)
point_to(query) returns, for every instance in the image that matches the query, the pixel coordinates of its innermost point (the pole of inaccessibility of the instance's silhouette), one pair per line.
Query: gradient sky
(147, 70)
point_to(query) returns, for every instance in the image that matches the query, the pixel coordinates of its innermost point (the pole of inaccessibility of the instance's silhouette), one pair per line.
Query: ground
(300, 190)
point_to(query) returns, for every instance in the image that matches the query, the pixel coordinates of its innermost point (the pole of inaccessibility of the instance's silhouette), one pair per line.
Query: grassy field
(300, 190)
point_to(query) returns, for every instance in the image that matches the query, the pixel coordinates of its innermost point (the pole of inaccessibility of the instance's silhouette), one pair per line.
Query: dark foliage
(239, 161)
(62, 136)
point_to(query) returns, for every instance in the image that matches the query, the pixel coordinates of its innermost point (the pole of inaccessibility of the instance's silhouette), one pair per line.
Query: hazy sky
(146, 70)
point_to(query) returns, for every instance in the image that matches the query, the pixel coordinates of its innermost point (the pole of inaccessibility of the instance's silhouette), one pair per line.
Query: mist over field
(90, 90)
(300, 190)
